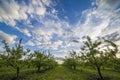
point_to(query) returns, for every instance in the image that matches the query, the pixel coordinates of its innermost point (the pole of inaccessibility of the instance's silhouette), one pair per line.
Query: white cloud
(45, 34)
(11, 11)
(30, 43)
(96, 22)
(107, 4)
(97, 31)
(37, 7)
(56, 45)
(9, 38)
(99, 20)
(25, 31)
(41, 11)
(46, 2)
(1, 49)
(61, 55)
(41, 36)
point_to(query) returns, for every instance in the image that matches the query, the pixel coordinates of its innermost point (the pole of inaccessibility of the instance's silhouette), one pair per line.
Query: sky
(58, 25)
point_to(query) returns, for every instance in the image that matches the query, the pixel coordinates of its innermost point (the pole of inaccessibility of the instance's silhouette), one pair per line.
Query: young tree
(39, 60)
(13, 56)
(43, 61)
(93, 54)
(114, 60)
(68, 63)
(114, 51)
(72, 60)
(28, 60)
(50, 62)
(2, 61)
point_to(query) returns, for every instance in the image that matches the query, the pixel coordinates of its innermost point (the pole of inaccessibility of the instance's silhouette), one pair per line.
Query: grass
(59, 73)
(110, 74)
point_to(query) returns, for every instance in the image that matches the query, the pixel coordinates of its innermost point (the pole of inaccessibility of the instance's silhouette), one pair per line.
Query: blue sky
(58, 25)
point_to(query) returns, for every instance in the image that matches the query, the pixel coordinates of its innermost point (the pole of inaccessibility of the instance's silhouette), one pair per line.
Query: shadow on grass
(90, 76)
(26, 75)
(23, 75)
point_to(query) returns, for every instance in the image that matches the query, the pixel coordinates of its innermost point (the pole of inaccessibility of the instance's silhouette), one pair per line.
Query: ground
(58, 73)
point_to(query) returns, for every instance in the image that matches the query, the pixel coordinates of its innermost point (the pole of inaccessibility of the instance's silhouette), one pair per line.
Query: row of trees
(16, 57)
(97, 54)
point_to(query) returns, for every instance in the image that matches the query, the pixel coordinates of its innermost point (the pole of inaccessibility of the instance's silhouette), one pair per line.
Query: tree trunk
(38, 70)
(18, 71)
(99, 72)
(74, 67)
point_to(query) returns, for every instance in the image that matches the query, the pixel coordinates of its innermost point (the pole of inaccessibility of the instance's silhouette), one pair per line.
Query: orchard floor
(59, 73)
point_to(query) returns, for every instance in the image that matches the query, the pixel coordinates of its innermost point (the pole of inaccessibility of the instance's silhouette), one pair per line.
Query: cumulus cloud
(107, 4)
(25, 31)
(13, 11)
(45, 34)
(1, 48)
(56, 45)
(9, 38)
(100, 20)
(37, 7)
(41, 36)
(30, 43)
(93, 25)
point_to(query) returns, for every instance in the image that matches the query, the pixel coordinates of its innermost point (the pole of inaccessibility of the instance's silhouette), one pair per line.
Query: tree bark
(18, 71)
(99, 72)
(38, 70)
(74, 67)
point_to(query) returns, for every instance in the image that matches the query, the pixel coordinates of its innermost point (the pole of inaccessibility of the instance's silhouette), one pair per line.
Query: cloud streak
(9, 38)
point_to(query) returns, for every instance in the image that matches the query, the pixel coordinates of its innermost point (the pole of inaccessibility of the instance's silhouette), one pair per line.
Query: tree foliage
(43, 61)
(13, 56)
(72, 60)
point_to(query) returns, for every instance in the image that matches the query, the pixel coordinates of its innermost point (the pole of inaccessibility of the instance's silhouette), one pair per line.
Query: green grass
(111, 74)
(59, 73)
